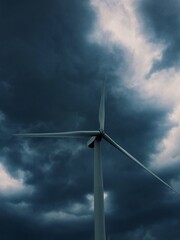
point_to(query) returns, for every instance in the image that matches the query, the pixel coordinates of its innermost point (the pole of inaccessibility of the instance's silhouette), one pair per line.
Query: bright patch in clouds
(107, 206)
(8, 184)
(163, 89)
(119, 23)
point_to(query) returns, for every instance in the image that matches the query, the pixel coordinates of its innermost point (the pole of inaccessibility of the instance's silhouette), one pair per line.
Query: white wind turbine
(94, 142)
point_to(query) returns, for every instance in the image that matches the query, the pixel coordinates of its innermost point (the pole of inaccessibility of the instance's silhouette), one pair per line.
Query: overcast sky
(53, 58)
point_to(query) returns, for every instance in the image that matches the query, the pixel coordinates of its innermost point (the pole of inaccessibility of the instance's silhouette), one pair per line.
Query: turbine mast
(99, 216)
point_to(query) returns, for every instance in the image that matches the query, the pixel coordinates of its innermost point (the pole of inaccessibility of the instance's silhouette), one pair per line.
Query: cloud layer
(54, 56)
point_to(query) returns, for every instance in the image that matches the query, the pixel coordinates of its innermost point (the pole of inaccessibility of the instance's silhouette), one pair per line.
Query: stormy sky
(54, 56)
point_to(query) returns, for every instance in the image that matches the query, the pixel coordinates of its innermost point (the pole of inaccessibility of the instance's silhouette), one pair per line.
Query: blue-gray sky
(53, 58)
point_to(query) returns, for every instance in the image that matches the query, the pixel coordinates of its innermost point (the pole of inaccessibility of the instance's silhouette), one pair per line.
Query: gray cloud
(161, 19)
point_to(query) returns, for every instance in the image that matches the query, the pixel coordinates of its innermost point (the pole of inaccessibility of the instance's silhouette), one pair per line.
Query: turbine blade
(112, 142)
(61, 134)
(102, 108)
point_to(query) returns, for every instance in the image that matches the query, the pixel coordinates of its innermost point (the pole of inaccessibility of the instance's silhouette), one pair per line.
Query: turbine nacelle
(91, 141)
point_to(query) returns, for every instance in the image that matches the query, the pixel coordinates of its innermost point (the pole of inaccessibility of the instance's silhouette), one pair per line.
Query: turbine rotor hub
(101, 131)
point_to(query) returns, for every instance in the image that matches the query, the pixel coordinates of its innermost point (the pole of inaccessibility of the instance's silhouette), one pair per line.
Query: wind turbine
(94, 142)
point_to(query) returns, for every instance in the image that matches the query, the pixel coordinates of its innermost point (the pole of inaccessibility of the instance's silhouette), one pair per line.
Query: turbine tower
(94, 142)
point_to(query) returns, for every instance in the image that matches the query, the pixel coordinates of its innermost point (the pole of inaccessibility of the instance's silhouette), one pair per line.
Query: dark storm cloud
(39, 49)
(161, 19)
(50, 77)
